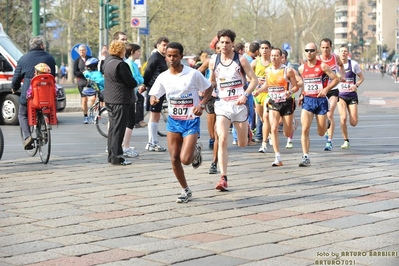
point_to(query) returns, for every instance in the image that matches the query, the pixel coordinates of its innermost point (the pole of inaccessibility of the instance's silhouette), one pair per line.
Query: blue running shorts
(184, 127)
(317, 106)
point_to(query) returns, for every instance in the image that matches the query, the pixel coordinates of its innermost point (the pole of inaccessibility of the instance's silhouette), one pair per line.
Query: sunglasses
(310, 50)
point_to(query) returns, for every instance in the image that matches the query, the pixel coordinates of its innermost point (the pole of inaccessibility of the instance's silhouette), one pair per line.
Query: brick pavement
(72, 212)
(80, 211)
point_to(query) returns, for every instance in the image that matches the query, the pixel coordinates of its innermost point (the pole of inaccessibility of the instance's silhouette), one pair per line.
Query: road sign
(144, 31)
(139, 8)
(75, 51)
(139, 22)
(286, 46)
(139, 14)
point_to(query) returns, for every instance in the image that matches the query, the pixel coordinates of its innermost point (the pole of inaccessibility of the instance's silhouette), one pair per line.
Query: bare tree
(304, 15)
(68, 15)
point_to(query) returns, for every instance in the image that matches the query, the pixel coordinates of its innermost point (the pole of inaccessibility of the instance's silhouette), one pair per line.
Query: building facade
(379, 24)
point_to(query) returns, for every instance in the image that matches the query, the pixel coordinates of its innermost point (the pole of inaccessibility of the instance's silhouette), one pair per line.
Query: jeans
(23, 120)
(259, 126)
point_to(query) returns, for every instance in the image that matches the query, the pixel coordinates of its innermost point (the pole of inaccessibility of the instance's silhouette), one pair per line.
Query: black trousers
(118, 115)
(139, 108)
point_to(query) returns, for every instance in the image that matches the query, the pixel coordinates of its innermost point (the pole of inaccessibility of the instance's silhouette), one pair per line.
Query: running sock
(329, 140)
(225, 177)
(289, 139)
(187, 189)
(347, 140)
(85, 115)
(306, 155)
(152, 132)
(277, 154)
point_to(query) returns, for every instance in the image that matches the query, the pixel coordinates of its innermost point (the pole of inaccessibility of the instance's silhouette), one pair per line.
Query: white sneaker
(148, 146)
(263, 147)
(156, 147)
(130, 152)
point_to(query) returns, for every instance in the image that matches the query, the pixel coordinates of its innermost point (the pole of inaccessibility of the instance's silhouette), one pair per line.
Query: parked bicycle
(1, 143)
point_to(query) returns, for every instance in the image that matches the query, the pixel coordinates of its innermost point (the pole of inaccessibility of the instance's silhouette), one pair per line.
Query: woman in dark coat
(118, 95)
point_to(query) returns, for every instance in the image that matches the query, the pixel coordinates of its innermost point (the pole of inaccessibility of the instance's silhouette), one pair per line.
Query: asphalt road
(376, 131)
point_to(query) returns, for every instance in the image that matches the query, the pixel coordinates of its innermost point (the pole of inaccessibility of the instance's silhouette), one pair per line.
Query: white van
(10, 53)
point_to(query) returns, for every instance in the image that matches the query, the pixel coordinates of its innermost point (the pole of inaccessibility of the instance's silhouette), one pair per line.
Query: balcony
(341, 19)
(340, 30)
(341, 8)
(372, 27)
(341, 2)
(372, 15)
(372, 3)
(339, 42)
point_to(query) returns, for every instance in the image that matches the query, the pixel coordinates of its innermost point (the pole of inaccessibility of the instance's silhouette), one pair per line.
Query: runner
(316, 85)
(348, 94)
(284, 60)
(337, 67)
(227, 70)
(281, 84)
(181, 85)
(259, 66)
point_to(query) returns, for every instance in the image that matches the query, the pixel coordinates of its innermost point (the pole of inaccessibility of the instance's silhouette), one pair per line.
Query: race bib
(261, 81)
(231, 90)
(345, 86)
(277, 94)
(312, 86)
(181, 109)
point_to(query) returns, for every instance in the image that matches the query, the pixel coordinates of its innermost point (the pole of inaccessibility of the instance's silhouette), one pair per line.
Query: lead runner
(181, 86)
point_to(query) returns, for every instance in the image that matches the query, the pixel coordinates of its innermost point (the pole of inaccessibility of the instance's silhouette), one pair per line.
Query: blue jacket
(95, 76)
(26, 70)
(135, 71)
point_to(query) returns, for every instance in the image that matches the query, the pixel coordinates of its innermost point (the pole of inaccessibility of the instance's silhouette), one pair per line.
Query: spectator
(118, 97)
(78, 69)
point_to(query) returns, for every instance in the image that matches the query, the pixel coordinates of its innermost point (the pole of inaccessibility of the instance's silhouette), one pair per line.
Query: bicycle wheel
(43, 138)
(102, 122)
(32, 152)
(162, 123)
(1, 143)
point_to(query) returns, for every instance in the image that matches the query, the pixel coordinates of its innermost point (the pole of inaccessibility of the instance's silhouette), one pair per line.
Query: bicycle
(98, 114)
(1, 143)
(41, 136)
(41, 111)
(101, 121)
(163, 119)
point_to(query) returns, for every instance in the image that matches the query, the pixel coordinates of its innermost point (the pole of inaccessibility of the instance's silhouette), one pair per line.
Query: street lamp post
(349, 48)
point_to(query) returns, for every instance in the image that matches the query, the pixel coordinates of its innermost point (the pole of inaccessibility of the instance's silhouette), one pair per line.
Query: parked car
(10, 53)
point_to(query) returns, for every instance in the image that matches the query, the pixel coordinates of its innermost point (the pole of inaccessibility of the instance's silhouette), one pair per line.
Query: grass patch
(71, 91)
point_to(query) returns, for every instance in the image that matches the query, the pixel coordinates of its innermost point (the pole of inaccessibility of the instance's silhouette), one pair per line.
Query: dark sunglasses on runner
(310, 50)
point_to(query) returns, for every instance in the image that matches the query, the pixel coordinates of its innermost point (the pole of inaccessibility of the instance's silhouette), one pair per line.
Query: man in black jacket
(155, 66)
(118, 97)
(26, 71)
(78, 68)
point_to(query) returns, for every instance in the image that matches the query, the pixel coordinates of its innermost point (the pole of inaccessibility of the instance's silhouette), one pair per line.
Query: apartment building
(380, 26)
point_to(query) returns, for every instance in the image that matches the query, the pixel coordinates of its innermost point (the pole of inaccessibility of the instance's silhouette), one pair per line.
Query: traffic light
(361, 41)
(111, 17)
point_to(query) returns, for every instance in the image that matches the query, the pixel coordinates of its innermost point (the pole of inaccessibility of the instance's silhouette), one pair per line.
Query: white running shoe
(263, 147)
(130, 152)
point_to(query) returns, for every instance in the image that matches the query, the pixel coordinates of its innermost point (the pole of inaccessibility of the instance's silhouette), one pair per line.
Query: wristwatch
(203, 106)
(246, 94)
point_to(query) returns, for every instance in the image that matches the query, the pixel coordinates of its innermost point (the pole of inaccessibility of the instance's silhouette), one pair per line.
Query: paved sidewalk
(80, 211)
(77, 210)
